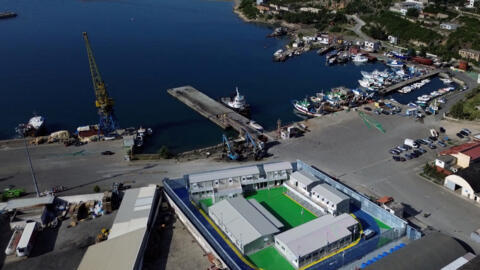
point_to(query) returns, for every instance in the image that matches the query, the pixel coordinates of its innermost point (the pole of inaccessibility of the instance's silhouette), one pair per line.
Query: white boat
(446, 81)
(405, 90)
(442, 100)
(255, 125)
(366, 74)
(423, 98)
(278, 53)
(359, 58)
(364, 83)
(395, 64)
(36, 122)
(434, 94)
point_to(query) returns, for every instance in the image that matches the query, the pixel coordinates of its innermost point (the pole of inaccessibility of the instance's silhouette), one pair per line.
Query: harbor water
(143, 48)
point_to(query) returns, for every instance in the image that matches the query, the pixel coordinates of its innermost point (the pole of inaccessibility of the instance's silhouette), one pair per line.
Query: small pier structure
(399, 85)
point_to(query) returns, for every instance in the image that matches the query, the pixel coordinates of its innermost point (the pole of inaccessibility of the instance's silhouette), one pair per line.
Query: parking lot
(344, 146)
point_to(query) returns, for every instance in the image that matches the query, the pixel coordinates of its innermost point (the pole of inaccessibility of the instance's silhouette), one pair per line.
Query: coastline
(271, 23)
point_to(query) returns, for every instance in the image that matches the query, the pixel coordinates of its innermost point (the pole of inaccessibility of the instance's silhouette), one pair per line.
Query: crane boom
(103, 102)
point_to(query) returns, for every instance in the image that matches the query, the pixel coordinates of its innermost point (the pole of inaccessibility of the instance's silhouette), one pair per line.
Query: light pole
(21, 131)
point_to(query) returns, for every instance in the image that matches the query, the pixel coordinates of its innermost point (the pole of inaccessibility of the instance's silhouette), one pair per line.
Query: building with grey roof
(228, 183)
(431, 252)
(329, 233)
(335, 201)
(246, 227)
(129, 234)
(303, 181)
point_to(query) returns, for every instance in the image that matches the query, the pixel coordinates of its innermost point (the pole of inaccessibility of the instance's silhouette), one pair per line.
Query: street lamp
(21, 130)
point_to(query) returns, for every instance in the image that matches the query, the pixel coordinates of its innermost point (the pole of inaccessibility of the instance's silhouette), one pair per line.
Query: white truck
(411, 143)
(25, 244)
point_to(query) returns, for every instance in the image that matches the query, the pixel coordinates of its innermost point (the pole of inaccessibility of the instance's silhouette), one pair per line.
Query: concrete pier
(399, 85)
(213, 110)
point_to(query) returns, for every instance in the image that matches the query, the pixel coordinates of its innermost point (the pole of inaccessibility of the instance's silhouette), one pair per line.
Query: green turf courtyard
(290, 213)
(269, 259)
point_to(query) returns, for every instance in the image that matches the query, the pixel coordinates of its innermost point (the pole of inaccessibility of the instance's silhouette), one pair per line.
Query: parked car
(415, 154)
(367, 109)
(432, 138)
(467, 130)
(464, 133)
(394, 151)
(402, 148)
(398, 149)
(460, 135)
(442, 130)
(423, 151)
(427, 141)
(368, 233)
(408, 147)
(421, 141)
(442, 144)
(408, 156)
(107, 153)
(432, 146)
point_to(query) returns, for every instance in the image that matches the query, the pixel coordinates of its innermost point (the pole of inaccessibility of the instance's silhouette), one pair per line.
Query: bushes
(431, 171)
(248, 9)
(467, 109)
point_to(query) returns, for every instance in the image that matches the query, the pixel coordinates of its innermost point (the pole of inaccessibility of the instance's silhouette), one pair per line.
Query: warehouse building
(466, 182)
(303, 181)
(465, 154)
(229, 183)
(247, 224)
(335, 201)
(330, 233)
(129, 234)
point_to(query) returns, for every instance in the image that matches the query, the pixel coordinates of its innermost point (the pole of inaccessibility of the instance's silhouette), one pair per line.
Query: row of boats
(340, 57)
(376, 80)
(409, 88)
(424, 99)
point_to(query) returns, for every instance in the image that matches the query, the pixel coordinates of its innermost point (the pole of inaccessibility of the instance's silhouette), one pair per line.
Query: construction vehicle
(10, 193)
(257, 148)
(103, 235)
(231, 154)
(107, 122)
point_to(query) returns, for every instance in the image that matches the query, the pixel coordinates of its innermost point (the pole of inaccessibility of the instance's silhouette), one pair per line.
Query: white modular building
(335, 201)
(303, 181)
(248, 225)
(312, 240)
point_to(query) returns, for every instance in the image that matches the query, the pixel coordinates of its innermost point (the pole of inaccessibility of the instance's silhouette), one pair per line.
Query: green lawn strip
(208, 202)
(382, 225)
(383, 241)
(269, 259)
(287, 211)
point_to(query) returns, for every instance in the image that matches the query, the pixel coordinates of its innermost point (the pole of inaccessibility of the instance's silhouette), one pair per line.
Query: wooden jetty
(399, 85)
(214, 110)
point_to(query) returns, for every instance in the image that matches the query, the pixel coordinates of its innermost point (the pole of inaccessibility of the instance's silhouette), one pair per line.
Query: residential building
(392, 39)
(466, 182)
(371, 46)
(229, 183)
(129, 234)
(244, 224)
(449, 26)
(312, 240)
(262, 9)
(310, 9)
(335, 201)
(469, 54)
(470, 4)
(303, 181)
(403, 7)
(259, 2)
(466, 154)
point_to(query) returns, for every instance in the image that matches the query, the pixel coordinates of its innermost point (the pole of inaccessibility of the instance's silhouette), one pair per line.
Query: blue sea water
(143, 48)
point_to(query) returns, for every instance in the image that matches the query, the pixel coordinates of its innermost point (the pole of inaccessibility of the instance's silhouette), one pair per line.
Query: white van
(411, 143)
(25, 244)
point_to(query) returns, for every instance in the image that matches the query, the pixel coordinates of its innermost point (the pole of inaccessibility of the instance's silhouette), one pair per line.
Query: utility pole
(21, 130)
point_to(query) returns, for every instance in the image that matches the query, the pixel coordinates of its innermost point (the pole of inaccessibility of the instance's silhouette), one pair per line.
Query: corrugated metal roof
(324, 230)
(222, 174)
(134, 211)
(330, 193)
(271, 167)
(242, 219)
(29, 202)
(266, 214)
(304, 177)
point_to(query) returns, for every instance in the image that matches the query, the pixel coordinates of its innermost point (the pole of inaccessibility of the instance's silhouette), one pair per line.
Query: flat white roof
(134, 212)
(315, 234)
(29, 202)
(278, 166)
(330, 193)
(26, 234)
(222, 174)
(304, 177)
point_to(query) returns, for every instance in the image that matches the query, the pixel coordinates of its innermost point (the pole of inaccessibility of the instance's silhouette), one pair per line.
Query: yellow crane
(104, 103)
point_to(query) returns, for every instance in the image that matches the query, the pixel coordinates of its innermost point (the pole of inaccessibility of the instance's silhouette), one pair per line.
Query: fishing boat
(34, 127)
(332, 60)
(237, 103)
(446, 81)
(359, 59)
(395, 64)
(305, 108)
(405, 90)
(364, 83)
(412, 105)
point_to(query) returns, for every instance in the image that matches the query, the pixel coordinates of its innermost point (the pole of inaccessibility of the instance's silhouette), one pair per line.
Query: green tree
(413, 13)
(411, 52)
(457, 110)
(423, 51)
(164, 152)
(96, 189)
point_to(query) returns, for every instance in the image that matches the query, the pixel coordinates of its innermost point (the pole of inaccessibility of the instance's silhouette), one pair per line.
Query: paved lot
(343, 146)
